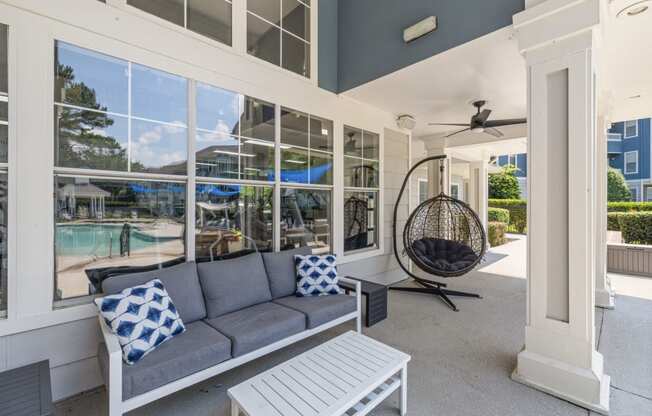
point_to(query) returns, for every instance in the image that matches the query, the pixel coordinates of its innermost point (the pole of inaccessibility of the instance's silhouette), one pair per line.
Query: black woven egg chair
(443, 237)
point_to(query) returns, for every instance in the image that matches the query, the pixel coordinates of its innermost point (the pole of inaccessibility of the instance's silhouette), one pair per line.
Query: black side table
(26, 391)
(376, 295)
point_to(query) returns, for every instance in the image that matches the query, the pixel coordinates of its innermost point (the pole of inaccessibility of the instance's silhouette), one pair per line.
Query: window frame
(625, 136)
(9, 169)
(625, 162)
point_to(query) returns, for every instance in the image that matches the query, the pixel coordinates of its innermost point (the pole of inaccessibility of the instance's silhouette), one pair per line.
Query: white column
(559, 357)
(604, 295)
(434, 181)
(479, 189)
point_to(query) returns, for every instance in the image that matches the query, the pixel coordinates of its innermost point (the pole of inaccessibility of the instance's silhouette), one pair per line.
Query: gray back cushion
(231, 285)
(180, 281)
(282, 272)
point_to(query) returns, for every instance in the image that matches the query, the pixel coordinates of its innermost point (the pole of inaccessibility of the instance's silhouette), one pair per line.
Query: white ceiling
(440, 88)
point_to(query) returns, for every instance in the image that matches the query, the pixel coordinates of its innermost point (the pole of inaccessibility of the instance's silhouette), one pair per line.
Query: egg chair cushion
(444, 255)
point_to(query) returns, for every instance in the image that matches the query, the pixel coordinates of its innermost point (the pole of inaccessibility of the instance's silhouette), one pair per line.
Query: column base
(581, 386)
(605, 298)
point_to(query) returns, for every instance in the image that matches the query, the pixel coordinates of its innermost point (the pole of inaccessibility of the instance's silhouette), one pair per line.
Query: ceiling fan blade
(493, 132)
(449, 124)
(483, 115)
(506, 122)
(456, 132)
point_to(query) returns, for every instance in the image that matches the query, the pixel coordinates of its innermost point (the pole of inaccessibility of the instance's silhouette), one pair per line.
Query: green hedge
(498, 215)
(613, 222)
(496, 233)
(517, 213)
(636, 227)
(629, 206)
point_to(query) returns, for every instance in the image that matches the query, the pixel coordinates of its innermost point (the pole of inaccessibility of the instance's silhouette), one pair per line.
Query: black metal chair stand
(437, 289)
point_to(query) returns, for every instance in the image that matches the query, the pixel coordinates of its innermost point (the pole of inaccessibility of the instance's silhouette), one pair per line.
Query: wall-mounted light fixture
(427, 25)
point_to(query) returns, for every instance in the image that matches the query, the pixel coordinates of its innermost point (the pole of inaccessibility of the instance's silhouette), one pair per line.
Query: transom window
(211, 18)
(631, 128)
(361, 188)
(631, 162)
(278, 31)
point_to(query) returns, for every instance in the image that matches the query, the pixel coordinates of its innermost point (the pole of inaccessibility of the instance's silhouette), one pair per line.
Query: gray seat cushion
(320, 309)
(198, 348)
(231, 285)
(180, 281)
(282, 272)
(258, 326)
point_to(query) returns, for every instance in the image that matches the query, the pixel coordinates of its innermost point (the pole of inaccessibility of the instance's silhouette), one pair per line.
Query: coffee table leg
(403, 397)
(235, 410)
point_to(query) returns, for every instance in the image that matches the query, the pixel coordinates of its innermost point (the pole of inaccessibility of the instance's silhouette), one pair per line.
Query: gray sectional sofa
(234, 311)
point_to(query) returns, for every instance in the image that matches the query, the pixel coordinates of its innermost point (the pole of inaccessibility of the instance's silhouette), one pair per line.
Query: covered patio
(462, 361)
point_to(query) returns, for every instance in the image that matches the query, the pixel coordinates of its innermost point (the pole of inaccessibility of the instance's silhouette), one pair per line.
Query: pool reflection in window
(232, 218)
(103, 223)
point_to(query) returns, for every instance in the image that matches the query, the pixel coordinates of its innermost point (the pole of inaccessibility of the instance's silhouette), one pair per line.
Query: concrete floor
(461, 361)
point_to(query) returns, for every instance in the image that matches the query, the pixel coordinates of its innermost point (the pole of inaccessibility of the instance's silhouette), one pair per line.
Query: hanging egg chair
(443, 237)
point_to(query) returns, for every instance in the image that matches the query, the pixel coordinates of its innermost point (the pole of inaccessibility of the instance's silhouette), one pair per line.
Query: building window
(125, 121)
(633, 194)
(423, 190)
(232, 218)
(361, 188)
(114, 115)
(614, 137)
(455, 190)
(306, 219)
(278, 31)
(211, 18)
(631, 129)
(648, 193)
(4, 159)
(235, 135)
(631, 162)
(106, 223)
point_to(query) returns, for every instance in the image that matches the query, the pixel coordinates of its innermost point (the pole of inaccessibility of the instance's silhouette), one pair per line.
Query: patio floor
(461, 361)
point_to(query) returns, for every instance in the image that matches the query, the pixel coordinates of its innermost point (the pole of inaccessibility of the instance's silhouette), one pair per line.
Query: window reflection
(232, 218)
(158, 148)
(360, 219)
(102, 223)
(258, 119)
(306, 219)
(170, 10)
(3, 241)
(158, 95)
(211, 18)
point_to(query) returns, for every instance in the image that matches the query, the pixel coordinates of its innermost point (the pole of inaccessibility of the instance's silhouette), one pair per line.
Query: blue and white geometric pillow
(143, 317)
(317, 275)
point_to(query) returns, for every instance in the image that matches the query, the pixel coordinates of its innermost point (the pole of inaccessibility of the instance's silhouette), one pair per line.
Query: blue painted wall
(639, 143)
(328, 53)
(521, 162)
(370, 32)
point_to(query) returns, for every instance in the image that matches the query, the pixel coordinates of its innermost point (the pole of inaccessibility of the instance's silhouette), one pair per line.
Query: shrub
(613, 219)
(517, 213)
(636, 227)
(504, 185)
(617, 189)
(629, 206)
(496, 233)
(498, 215)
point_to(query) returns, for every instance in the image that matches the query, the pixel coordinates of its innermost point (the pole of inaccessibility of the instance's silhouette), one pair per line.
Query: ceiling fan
(480, 124)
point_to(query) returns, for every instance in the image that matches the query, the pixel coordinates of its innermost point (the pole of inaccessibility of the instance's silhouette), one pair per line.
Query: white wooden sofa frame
(117, 406)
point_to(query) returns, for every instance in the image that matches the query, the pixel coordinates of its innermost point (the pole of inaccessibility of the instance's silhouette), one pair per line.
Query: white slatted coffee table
(348, 375)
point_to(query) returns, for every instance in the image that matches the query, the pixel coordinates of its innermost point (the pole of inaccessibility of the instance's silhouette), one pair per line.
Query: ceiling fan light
(478, 129)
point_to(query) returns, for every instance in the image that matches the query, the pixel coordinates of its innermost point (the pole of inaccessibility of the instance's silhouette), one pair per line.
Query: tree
(617, 189)
(504, 185)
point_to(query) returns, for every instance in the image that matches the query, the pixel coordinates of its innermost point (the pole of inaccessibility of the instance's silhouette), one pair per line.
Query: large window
(123, 122)
(232, 218)
(235, 135)
(105, 223)
(361, 188)
(631, 128)
(4, 141)
(278, 31)
(211, 18)
(631, 162)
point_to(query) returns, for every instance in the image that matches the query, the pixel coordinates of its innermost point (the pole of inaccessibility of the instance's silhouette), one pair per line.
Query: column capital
(547, 22)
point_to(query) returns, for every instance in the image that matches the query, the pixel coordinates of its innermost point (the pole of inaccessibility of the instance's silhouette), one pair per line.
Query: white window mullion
(190, 186)
(276, 206)
(239, 26)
